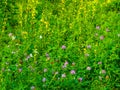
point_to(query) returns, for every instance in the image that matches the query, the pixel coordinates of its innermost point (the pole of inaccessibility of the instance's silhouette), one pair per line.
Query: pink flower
(64, 66)
(63, 47)
(72, 71)
(88, 68)
(80, 79)
(102, 37)
(47, 55)
(66, 62)
(103, 72)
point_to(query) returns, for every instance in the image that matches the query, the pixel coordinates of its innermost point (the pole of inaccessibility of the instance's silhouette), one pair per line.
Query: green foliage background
(60, 22)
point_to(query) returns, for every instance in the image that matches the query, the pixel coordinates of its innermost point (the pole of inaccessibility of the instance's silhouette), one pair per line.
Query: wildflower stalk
(52, 79)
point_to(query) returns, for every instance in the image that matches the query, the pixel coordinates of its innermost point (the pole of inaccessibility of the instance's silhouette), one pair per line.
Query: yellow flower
(24, 34)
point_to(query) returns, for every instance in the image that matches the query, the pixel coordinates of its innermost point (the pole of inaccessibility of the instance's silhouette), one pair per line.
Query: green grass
(60, 45)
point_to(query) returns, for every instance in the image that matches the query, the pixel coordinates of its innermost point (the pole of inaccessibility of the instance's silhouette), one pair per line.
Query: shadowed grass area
(60, 45)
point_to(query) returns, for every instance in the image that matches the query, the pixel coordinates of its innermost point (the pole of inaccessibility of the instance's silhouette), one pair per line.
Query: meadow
(59, 45)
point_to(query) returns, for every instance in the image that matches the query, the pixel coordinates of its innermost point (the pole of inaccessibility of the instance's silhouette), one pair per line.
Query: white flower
(32, 87)
(31, 55)
(44, 80)
(10, 34)
(40, 36)
(88, 68)
(63, 75)
(20, 70)
(45, 70)
(73, 64)
(56, 73)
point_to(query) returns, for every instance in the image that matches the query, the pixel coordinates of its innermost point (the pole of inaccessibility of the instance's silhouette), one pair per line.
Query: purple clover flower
(80, 79)
(89, 46)
(66, 62)
(72, 72)
(47, 55)
(63, 47)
